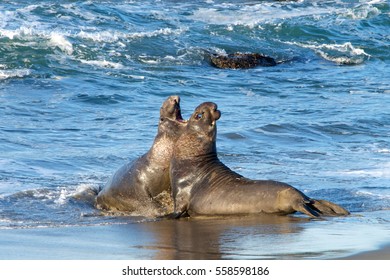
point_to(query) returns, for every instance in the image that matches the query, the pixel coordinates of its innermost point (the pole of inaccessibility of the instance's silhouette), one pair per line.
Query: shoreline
(182, 240)
(382, 253)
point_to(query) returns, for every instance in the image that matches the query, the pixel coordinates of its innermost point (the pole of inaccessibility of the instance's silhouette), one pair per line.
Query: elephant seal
(203, 185)
(142, 187)
(241, 60)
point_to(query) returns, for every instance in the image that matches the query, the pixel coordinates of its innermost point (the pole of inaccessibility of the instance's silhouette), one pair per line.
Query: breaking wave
(342, 54)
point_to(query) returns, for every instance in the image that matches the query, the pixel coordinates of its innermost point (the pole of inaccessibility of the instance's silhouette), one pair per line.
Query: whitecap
(377, 172)
(253, 15)
(371, 194)
(137, 77)
(162, 31)
(102, 63)
(339, 53)
(67, 192)
(61, 200)
(109, 36)
(149, 60)
(32, 35)
(363, 11)
(14, 73)
(59, 40)
(101, 36)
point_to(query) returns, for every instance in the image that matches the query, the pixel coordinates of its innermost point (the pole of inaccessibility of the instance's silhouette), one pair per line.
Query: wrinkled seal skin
(241, 60)
(142, 187)
(203, 185)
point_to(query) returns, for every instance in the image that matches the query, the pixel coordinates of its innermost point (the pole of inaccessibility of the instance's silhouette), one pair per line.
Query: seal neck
(194, 146)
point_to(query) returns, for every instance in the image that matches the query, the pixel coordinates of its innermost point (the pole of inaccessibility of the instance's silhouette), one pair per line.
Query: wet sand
(268, 237)
(382, 253)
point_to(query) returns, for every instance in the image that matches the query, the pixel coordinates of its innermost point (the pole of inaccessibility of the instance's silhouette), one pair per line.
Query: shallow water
(81, 84)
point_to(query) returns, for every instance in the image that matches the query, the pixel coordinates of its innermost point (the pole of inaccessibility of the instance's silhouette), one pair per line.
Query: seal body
(241, 60)
(142, 187)
(203, 185)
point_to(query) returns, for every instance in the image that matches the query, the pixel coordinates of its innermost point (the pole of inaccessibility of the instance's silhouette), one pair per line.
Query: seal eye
(161, 119)
(199, 116)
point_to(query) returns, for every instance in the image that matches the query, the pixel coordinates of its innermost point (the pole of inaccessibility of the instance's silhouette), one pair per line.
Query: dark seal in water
(241, 60)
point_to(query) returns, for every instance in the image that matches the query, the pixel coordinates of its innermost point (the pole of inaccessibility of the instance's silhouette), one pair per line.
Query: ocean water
(81, 84)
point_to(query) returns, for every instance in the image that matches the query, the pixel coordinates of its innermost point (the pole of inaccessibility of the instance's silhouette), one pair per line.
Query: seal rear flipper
(329, 208)
(306, 209)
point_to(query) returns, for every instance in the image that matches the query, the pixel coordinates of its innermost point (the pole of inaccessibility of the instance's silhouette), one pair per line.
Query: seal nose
(216, 115)
(176, 99)
(214, 111)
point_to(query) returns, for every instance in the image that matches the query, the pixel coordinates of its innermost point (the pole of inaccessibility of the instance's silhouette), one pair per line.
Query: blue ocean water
(81, 84)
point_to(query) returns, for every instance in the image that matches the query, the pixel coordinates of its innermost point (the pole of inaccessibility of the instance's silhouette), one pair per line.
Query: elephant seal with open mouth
(142, 187)
(203, 185)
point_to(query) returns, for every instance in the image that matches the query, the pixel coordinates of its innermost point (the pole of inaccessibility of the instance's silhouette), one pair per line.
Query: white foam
(32, 35)
(253, 15)
(382, 171)
(340, 53)
(15, 73)
(102, 64)
(69, 192)
(363, 11)
(114, 36)
(162, 31)
(367, 193)
(137, 77)
(101, 36)
(59, 40)
(61, 200)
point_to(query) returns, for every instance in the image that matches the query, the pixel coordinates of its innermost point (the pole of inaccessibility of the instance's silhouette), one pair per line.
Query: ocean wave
(33, 36)
(59, 40)
(355, 200)
(374, 195)
(343, 54)
(100, 99)
(187, 56)
(103, 64)
(110, 36)
(363, 11)
(14, 73)
(57, 207)
(382, 172)
(49, 207)
(253, 15)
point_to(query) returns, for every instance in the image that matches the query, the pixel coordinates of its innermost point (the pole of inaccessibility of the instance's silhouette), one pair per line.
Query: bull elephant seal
(142, 187)
(241, 60)
(203, 185)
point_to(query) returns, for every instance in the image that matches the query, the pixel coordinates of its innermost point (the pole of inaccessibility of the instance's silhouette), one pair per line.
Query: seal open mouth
(177, 111)
(170, 110)
(179, 117)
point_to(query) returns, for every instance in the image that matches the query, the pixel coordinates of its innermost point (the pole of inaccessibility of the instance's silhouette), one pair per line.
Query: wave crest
(342, 54)
(14, 73)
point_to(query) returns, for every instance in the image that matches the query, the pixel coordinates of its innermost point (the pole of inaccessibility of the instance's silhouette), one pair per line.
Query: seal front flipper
(305, 208)
(174, 215)
(329, 208)
(180, 211)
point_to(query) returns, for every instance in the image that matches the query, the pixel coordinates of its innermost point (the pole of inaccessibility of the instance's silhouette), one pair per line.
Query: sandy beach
(383, 253)
(271, 238)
